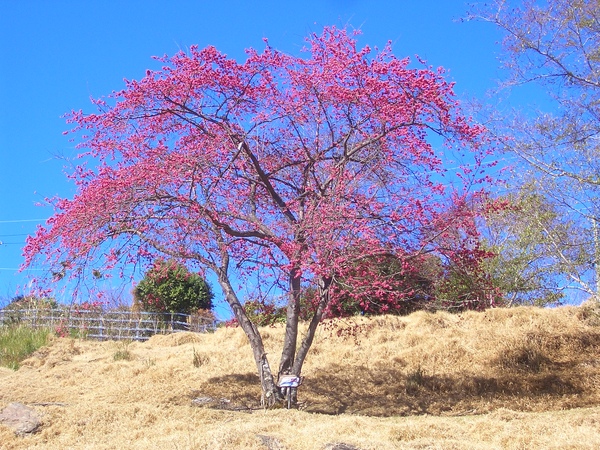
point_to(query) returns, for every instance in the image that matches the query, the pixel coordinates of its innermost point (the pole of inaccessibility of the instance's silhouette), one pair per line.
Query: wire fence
(107, 325)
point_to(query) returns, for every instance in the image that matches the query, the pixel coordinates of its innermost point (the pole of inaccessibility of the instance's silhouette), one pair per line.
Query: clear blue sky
(55, 54)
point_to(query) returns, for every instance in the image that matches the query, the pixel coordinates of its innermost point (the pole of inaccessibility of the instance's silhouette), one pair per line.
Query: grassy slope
(518, 378)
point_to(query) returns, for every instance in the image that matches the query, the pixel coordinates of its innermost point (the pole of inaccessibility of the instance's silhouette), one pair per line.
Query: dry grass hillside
(522, 378)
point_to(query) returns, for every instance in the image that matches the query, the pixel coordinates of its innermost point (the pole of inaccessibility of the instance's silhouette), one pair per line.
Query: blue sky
(55, 55)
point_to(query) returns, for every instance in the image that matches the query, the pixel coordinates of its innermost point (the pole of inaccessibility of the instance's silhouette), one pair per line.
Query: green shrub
(29, 302)
(122, 353)
(263, 313)
(13, 312)
(169, 287)
(18, 342)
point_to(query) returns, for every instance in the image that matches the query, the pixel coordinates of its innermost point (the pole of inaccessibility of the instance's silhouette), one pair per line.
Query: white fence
(106, 325)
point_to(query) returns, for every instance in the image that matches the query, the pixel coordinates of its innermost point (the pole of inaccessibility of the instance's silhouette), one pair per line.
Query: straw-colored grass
(522, 378)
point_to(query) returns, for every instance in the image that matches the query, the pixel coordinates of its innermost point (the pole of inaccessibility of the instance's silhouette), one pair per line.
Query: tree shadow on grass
(391, 392)
(542, 372)
(242, 389)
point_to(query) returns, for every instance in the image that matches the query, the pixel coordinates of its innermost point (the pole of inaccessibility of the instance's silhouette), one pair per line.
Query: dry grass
(521, 378)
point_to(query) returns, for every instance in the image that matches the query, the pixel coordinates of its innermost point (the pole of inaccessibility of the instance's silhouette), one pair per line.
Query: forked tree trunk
(324, 285)
(292, 359)
(302, 351)
(288, 353)
(270, 391)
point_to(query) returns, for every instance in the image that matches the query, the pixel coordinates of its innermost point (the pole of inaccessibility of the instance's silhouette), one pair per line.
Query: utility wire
(22, 220)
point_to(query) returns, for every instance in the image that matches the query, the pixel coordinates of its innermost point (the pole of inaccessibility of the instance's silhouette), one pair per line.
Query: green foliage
(267, 312)
(29, 302)
(15, 311)
(552, 47)
(462, 288)
(264, 313)
(537, 249)
(18, 342)
(169, 287)
(430, 282)
(122, 353)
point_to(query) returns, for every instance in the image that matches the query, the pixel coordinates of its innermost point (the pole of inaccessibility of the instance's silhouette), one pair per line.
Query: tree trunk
(292, 360)
(596, 257)
(288, 352)
(324, 285)
(270, 391)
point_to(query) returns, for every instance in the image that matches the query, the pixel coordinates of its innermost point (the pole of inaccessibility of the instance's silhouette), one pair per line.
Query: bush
(18, 342)
(169, 287)
(27, 302)
(13, 312)
(263, 313)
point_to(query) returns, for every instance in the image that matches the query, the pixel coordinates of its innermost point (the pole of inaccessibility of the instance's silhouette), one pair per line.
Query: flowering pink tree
(296, 167)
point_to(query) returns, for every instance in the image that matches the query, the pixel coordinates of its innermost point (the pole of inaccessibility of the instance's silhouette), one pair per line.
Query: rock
(220, 403)
(340, 446)
(22, 419)
(201, 401)
(270, 442)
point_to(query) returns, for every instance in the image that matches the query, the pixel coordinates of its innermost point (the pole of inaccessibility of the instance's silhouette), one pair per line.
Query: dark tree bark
(288, 353)
(271, 393)
(324, 286)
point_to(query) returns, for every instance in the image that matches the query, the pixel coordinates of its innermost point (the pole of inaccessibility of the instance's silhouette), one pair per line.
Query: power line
(22, 220)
